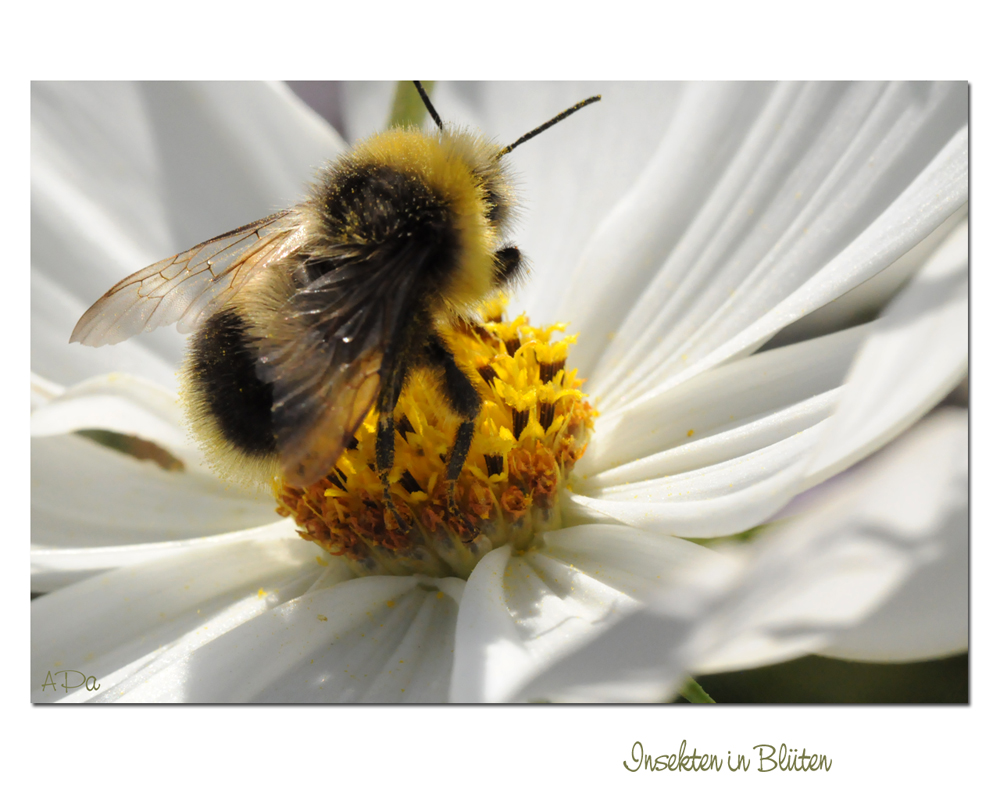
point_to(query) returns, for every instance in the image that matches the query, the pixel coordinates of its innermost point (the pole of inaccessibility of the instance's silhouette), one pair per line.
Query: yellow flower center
(533, 427)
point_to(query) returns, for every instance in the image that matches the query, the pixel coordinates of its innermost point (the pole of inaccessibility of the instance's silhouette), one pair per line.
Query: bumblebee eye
(510, 265)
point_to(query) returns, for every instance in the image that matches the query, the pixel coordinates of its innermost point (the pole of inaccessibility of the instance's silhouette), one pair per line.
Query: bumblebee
(306, 319)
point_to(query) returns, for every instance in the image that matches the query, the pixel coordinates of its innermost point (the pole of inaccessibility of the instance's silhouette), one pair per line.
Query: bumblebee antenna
(427, 102)
(549, 124)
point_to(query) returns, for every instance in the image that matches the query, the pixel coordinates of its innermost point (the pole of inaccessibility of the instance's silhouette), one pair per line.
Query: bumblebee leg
(510, 265)
(385, 439)
(464, 401)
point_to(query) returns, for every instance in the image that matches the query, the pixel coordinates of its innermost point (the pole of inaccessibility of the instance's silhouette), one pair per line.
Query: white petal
(725, 398)
(121, 403)
(935, 194)
(928, 615)
(841, 573)
(869, 299)
(55, 567)
(632, 242)
(43, 391)
(489, 654)
(520, 613)
(712, 449)
(112, 624)
(914, 355)
(381, 639)
(717, 501)
(646, 654)
(642, 659)
(918, 351)
(632, 561)
(761, 417)
(367, 106)
(86, 495)
(901, 517)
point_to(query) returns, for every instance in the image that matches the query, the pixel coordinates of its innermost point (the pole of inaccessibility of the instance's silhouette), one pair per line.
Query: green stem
(407, 107)
(693, 693)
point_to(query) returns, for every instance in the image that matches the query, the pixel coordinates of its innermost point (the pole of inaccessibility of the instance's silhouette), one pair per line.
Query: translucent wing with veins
(189, 287)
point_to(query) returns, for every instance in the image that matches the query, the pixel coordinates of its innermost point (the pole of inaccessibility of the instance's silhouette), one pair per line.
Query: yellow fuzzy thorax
(445, 161)
(533, 427)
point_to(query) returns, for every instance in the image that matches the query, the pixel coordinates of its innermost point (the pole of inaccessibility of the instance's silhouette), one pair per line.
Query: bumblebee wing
(326, 373)
(326, 420)
(188, 287)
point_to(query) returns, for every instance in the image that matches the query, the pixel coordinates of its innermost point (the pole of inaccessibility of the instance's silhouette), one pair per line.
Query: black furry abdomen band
(223, 371)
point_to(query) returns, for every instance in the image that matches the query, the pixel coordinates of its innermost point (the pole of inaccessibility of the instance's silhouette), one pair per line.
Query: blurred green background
(828, 680)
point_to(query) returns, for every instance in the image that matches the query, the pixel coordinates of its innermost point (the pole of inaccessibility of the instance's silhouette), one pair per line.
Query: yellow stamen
(533, 427)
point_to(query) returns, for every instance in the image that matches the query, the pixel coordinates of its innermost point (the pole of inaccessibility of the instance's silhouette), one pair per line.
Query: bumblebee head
(495, 202)
(485, 160)
(445, 199)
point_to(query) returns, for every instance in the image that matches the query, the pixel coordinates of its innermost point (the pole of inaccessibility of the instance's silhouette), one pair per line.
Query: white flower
(679, 229)
(872, 566)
